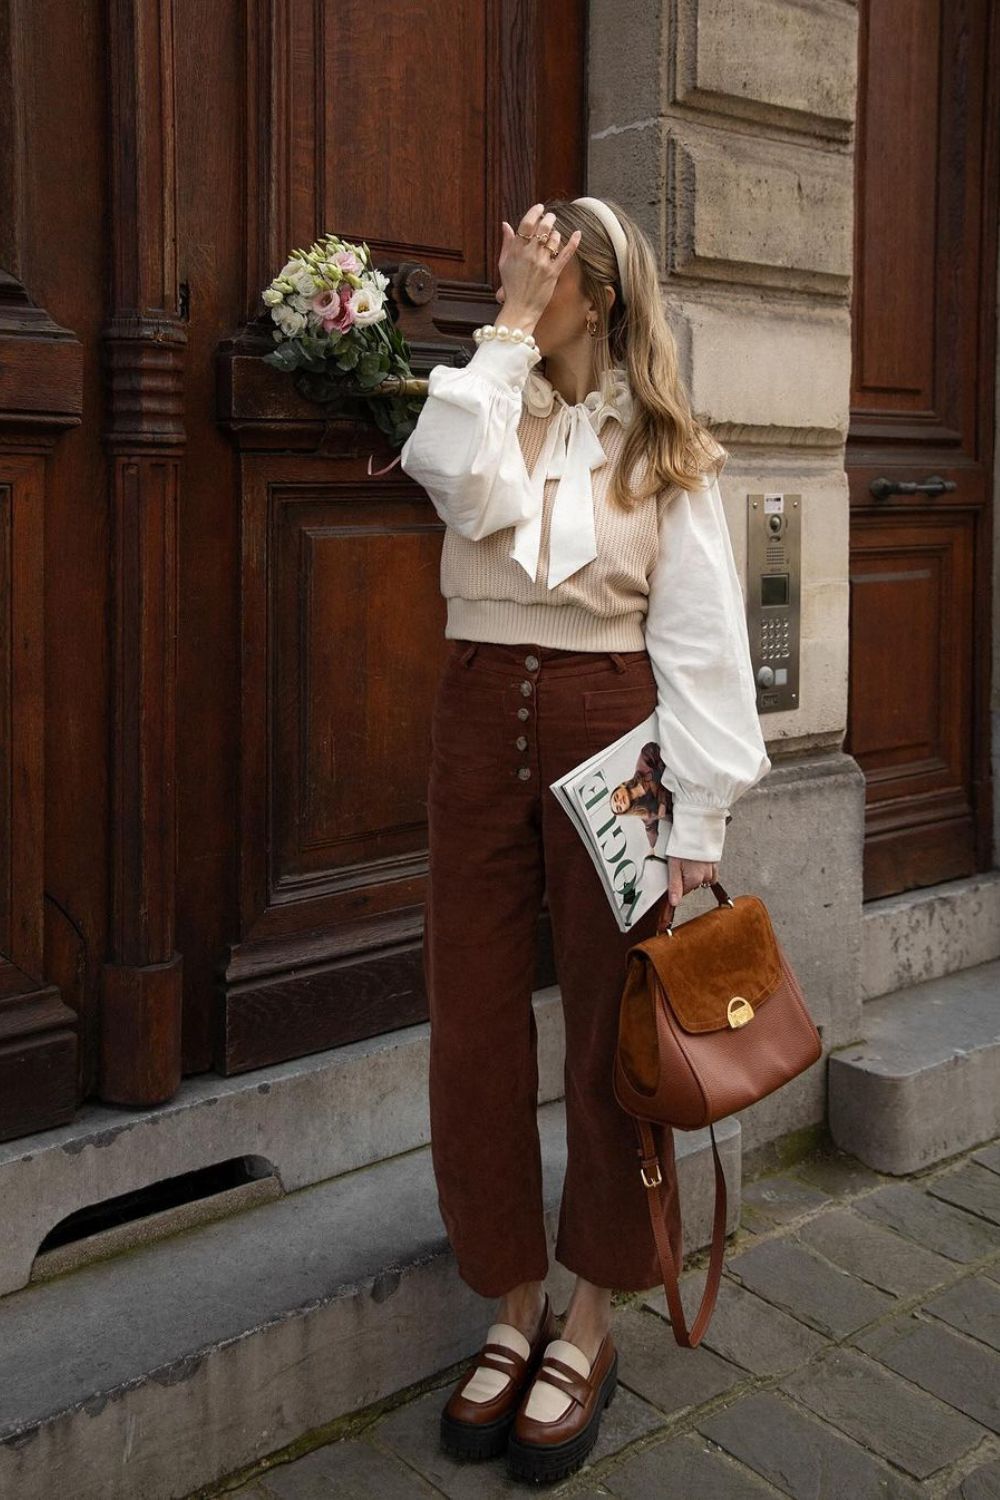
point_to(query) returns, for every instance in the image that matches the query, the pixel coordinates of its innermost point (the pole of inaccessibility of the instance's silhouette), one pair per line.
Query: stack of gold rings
(542, 237)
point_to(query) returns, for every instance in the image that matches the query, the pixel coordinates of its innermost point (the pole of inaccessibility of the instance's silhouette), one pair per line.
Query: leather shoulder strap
(650, 1157)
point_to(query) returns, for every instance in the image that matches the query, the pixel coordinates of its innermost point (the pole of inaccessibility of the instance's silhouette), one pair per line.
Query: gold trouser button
(522, 742)
(524, 772)
(526, 689)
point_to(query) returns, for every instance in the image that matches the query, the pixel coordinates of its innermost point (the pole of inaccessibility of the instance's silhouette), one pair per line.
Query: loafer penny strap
(501, 1357)
(574, 1385)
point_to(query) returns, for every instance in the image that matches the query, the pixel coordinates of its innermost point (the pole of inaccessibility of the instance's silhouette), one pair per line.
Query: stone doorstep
(187, 1359)
(927, 933)
(925, 1084)
(270, 1114)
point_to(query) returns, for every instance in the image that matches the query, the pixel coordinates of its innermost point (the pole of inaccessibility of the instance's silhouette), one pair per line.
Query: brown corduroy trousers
(507, 721)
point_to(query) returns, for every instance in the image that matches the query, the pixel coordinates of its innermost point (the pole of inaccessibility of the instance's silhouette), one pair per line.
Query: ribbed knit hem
(568, 627)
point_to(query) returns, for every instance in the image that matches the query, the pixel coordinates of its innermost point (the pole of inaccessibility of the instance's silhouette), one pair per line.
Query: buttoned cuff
(504, 361)
(697, 832)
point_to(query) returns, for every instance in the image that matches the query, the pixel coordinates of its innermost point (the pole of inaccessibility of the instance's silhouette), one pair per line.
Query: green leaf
(285, 356)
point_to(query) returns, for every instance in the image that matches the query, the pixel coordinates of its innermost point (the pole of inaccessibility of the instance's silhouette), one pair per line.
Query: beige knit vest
(600, 607)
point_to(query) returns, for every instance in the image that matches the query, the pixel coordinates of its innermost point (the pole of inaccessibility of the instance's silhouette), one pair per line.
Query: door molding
(41, 398)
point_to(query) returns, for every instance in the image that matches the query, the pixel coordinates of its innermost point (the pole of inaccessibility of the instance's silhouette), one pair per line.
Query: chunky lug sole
(485, 1439)
(474, 1440)
(545, 1463)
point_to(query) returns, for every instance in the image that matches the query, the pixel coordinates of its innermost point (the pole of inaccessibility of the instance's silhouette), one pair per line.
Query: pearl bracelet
(501, 331)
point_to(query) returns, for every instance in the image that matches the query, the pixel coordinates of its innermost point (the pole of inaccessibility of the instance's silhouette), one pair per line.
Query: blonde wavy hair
(664, 432)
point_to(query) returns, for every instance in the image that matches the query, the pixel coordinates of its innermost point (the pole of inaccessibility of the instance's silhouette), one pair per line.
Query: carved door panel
(417, 141)
(922, 415)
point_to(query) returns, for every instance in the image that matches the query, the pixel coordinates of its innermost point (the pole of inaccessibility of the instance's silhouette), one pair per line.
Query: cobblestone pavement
(854, 1353)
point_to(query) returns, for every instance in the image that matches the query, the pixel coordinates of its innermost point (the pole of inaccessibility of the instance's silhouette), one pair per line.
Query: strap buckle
(651, 1181)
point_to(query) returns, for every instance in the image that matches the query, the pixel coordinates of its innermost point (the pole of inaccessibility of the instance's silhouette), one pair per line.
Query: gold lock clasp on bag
(739, 1011)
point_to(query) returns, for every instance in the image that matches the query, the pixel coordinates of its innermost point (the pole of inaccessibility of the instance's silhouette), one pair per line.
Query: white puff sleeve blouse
(464, 449)
(696, 636)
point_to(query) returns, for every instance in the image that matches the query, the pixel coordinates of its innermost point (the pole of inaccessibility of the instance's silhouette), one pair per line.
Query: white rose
(290, 267)
(304, 283)
(368, 304)
(290, 322)
(272, 297)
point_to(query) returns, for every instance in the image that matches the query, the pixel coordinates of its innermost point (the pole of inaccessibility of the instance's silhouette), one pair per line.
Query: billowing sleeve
(464, 449)
(699, 649)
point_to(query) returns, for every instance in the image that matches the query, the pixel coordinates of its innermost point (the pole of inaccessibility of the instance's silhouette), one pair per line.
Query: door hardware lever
(882, 488)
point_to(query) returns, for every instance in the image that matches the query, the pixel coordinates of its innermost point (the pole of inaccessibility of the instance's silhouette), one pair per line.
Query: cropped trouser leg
(503, 730)
(604, 1232)
(484, 898)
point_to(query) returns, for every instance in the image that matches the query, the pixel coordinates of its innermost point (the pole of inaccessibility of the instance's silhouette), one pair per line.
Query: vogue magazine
(622, 811)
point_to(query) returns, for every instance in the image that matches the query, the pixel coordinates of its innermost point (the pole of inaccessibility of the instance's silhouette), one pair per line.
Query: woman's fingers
(568, 250)
(529, 224)
(535, 222)
(688, 874)
(531, 266)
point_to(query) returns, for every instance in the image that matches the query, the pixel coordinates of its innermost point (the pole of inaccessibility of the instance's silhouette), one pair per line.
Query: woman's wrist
(517, 317)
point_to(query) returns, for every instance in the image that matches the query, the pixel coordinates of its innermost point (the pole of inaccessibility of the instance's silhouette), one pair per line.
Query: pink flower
(344, 318)
(333, 310)
(326, 303)
(348, 262)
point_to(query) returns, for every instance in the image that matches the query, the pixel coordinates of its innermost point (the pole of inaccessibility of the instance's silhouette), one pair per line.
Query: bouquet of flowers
(336, 337)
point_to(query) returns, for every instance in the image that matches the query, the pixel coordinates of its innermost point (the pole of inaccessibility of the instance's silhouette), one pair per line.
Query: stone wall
(995, 684)
(726, 128)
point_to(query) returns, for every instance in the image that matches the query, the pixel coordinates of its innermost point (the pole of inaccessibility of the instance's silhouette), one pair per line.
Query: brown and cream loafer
(479, 1413)
(546, 1448)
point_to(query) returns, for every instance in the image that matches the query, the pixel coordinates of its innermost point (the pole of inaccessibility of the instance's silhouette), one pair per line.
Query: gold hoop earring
(592, 326)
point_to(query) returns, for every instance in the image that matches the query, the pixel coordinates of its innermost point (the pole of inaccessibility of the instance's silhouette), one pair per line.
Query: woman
(589, 579)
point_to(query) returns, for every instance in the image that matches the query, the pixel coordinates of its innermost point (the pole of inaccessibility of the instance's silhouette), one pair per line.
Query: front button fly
(531, 662)
(524, 772)
(526, 689)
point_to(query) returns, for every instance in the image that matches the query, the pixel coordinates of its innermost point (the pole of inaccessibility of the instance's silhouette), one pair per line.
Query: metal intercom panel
(774, 576)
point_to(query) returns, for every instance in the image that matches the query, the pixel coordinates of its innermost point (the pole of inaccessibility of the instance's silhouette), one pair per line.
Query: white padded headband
(612, 224)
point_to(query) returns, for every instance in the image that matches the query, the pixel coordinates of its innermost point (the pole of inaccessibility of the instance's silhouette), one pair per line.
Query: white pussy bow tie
(572, 449)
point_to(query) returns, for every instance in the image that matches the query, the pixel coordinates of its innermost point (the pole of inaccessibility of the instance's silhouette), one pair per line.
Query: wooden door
(417, 140)
(221, 636)
(920, 448)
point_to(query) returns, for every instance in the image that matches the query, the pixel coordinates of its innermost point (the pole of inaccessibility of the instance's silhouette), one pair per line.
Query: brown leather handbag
(712, 1018)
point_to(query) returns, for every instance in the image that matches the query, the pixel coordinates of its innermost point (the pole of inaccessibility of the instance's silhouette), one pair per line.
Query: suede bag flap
(727, 954)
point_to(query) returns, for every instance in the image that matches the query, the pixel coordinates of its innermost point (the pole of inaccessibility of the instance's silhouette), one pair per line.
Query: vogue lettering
(624, 871)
